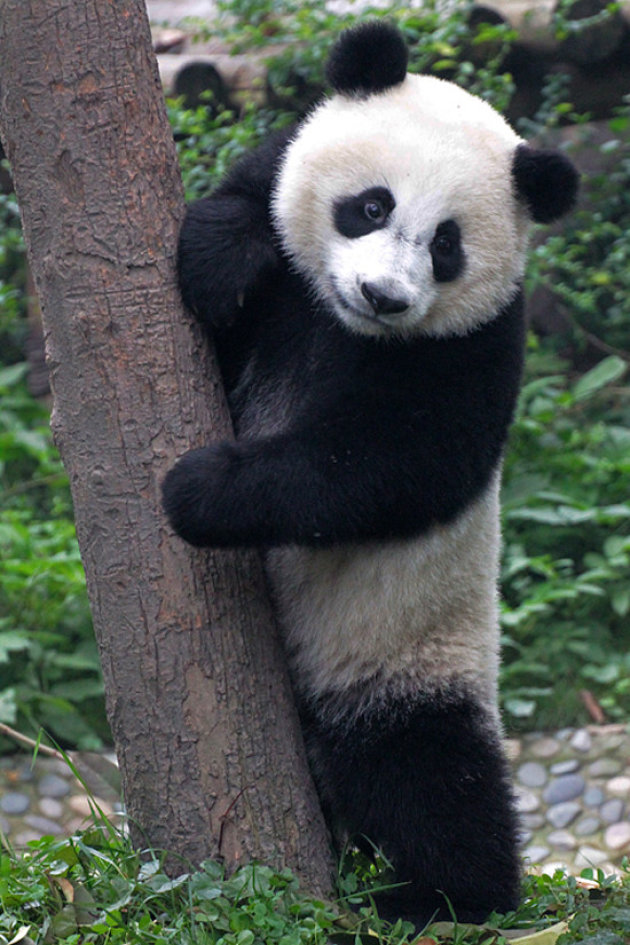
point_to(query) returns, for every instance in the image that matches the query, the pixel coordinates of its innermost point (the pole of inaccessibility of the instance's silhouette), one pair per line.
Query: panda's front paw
(195, 495)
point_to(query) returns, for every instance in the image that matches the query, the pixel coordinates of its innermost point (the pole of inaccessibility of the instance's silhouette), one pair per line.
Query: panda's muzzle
(382, 304)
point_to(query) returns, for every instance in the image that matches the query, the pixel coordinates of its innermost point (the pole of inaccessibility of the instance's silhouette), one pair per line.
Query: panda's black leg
(427, 783)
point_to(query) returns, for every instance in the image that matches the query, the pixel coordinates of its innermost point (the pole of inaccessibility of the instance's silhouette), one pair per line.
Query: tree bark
(197, 691)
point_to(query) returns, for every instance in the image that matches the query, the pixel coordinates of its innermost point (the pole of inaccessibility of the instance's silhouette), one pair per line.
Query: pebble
(593, 797)
(51, 807)
(565, 767)
(612, 810)
(564, 788)
(604, 768)
(617, 836)
(535, 854)
(586, 825)
(532, 821)
(526, 801)
(532, 774)
(545, 748)
(619, 786)
(43, 825)
(561, 815)
(581, 741)
(590, 856)
(562, 840)
(14, 803)
(52, 785)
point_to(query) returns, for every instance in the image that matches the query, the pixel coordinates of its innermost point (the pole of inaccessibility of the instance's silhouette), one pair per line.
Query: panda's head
(406, 201)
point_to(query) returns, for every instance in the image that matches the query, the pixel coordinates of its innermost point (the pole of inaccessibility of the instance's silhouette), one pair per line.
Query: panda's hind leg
(427, 783)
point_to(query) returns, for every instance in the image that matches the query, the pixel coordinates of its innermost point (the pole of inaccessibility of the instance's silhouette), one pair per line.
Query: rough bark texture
(198, 697)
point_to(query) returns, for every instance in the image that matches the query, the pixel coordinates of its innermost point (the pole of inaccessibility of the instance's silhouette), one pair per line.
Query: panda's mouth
(369, 316)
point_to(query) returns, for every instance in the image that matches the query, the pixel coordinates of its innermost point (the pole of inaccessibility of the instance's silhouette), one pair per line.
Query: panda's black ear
(546, 181)
(367, 59)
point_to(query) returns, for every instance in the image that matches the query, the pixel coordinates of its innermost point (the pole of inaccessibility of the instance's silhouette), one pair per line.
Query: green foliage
(12, 277)
(566, 568)
(48, 662)
(95, 888)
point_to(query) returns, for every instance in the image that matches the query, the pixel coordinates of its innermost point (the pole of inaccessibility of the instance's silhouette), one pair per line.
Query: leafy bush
(566, 568)
(49, 666)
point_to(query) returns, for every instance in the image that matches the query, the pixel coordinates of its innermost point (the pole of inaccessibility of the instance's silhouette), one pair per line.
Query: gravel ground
(573, 793)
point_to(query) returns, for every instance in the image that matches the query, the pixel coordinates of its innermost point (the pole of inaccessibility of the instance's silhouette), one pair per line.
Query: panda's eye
(374, 211)
(447, 253)
(360, 214)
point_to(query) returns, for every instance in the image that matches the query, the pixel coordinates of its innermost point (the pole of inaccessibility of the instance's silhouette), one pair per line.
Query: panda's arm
(320, 487)
(227, 245)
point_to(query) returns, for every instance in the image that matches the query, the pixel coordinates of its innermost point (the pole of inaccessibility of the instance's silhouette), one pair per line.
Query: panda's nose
(381, 303)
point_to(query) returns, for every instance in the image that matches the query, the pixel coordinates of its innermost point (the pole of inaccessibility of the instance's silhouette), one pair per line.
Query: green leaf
(608, 370)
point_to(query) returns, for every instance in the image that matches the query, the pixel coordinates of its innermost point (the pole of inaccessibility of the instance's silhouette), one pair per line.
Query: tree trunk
(198, 696)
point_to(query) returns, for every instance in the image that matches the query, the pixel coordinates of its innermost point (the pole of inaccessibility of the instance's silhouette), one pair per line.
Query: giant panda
(361, 276)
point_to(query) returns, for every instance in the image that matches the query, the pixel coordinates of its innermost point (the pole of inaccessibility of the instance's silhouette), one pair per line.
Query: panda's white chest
(420, 611)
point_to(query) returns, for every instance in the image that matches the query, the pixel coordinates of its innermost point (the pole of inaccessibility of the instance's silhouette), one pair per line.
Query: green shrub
(49, 668)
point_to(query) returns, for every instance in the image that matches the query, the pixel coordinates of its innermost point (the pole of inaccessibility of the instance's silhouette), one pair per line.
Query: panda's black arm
(309, 488)
(227, 245)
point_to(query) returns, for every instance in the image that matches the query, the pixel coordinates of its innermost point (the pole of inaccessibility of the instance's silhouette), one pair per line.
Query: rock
(526, 801)
(51, 808)
(562, 840)
(612, 810)
(43, 825)
(620, 785)
(565, 767)
(80, 805)
(581, 740)
(586, 826)
(532, 821)
(14, 802)
(51, 785)
(590, 856)
(532, 774)
(617, 837)
(604, 768)
(561, 815)
(512, 747)
(545, 748)
(5, 826)
(564, 788)
(535, 853)
(593, 797)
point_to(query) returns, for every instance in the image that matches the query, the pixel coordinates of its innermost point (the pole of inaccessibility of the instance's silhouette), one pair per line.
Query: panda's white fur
(442, 153)
(394, 617)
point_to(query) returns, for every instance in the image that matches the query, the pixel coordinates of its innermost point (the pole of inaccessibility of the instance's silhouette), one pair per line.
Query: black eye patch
(363, 213)
(447, 252)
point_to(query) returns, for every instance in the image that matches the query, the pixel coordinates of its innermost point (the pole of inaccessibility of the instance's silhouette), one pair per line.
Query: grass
(93, 887)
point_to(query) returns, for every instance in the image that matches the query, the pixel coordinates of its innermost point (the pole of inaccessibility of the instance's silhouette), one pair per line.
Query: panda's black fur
(349, 444)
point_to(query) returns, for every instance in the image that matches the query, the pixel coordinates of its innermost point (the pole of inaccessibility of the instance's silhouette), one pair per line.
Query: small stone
(565, 767)
(536, 853)
(512, 747)
(551, 868)
(589, 856)
(561, 815)
(561, 840)
(604, 768)
(5, 826)
(14, 802)
(526, 801)
(564, 788)
(612, 810)
(593, 797)
(617, 837)
(619, 786)
(51, 808)
(80, 804)
(564, 734)
(581, 741)
(24, 837)
(26, 774)
(545, 748)
(532, 774)
(43, 825)
(51, 785)
(532, 821)
(524, 836)
(586, 825)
